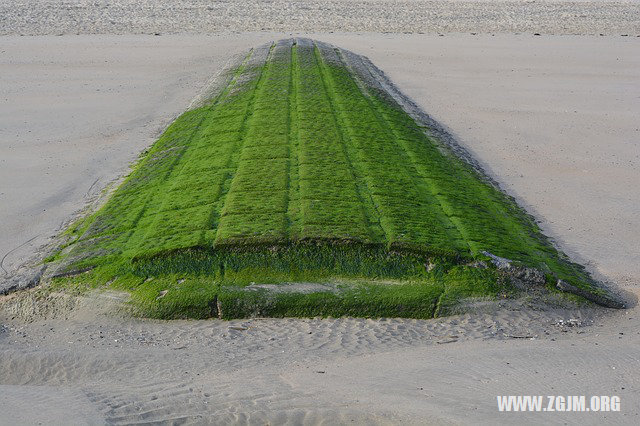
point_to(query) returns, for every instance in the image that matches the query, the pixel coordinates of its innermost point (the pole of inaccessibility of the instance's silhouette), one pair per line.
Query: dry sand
(311, 371)
(47, 17)
(551, 118)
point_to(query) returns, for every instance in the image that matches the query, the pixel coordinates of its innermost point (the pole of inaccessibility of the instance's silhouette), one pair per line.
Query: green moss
(176, 297)
(411, 300)
(300, 170)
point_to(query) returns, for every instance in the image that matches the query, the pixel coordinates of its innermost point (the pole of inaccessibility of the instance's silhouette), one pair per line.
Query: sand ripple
(282, 371)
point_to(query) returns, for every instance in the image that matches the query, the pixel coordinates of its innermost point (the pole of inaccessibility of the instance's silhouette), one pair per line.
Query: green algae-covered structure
(307, 184)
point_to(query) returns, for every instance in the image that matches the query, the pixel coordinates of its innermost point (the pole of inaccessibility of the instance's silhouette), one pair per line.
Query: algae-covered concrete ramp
(305, 164)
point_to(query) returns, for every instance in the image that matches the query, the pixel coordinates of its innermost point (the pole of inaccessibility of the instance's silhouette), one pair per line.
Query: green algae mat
(306, 184)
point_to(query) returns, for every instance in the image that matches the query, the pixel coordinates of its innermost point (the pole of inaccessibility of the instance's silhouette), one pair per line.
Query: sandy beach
(552, 118)
(45, 17)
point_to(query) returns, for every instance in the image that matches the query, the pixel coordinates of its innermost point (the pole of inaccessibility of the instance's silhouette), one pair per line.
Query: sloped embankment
(308, 185)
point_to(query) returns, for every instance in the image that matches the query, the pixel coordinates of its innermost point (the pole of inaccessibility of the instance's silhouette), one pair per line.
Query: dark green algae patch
(303, 167)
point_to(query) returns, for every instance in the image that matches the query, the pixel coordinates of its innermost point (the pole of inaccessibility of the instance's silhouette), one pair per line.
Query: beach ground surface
(551, 118)
(43, 17)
